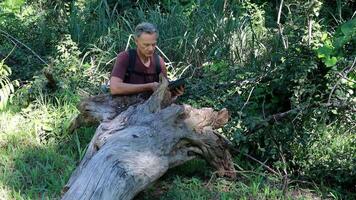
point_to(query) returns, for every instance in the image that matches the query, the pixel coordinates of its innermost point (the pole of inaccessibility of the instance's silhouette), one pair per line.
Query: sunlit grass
(37, 155)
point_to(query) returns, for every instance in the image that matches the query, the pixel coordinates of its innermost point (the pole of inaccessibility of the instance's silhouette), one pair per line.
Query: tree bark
(135, 148)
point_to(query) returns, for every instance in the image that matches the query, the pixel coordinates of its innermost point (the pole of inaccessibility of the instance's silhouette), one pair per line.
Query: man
(137, 70)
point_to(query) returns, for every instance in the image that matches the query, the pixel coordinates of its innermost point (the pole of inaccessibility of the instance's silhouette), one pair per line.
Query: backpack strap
(132, 62)
(158, 66)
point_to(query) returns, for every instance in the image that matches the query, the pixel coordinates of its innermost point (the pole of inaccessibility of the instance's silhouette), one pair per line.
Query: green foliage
(35, 26)
(328, 153)
(6, 85)
(68, 68)
(236, 56)
(342, 44)
(255, 187)
(286, 80)
(12, 5)
(37, 156)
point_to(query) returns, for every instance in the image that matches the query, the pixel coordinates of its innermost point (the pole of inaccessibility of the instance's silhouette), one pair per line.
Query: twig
(238, 166)
(339, 8)
(7, 57)
(310, 22)
(234, 83)
(299, 113)
(211, 178)
(19, 42)
(301, 181)
(279, 12)
(114, 58)
(337, 83)
(280, 30)
(278, 116)
(263, 108)
(248, 99)
(256, 160)
(128, 42)
(229, 145)
(164, 55)
(12, 50)
(261, 163)
(285, 176)
(344, 77)
(225, 6)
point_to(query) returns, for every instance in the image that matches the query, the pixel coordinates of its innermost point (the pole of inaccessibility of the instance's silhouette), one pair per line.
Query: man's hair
(145, 27)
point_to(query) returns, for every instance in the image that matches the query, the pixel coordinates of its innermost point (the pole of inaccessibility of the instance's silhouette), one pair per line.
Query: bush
(6, 85)
(314, 136)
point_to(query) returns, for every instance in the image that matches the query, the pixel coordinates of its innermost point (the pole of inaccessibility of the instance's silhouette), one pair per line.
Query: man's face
(146, 44)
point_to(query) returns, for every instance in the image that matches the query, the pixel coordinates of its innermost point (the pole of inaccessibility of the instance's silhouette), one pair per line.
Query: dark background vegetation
(286, 76)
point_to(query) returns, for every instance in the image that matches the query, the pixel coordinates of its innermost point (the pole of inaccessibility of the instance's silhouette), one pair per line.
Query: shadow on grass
(39, 171)
(196, 169)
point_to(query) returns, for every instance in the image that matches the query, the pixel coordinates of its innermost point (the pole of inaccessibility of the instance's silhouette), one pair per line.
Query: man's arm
(117, 86)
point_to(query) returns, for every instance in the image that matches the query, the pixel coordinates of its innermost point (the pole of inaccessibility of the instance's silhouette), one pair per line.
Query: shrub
(6, 85)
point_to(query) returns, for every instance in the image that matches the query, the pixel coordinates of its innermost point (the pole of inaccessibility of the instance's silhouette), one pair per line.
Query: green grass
(249, 186)
(37, 155)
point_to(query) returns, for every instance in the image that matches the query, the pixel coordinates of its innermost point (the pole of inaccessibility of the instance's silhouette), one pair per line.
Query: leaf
(341, 41)
(324, 37)
(324, 51)
(349, 27)
(329, 62)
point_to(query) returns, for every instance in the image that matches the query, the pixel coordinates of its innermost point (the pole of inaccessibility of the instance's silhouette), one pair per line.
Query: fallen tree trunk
(132, 150)
(102, 108)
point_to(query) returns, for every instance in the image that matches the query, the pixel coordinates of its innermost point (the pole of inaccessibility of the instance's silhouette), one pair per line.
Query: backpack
(131, 68)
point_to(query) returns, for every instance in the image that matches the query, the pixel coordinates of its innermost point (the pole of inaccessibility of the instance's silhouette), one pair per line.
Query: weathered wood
(103, 107)
(133, 149)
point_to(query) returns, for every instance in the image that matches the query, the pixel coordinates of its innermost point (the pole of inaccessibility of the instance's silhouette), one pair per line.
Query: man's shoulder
(123, 54)
(122, 57)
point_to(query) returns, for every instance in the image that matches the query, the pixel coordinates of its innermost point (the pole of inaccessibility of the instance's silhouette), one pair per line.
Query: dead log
(102, 108)
(133, 149)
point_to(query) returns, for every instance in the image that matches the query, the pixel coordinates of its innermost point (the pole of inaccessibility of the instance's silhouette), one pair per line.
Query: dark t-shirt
(122, 63)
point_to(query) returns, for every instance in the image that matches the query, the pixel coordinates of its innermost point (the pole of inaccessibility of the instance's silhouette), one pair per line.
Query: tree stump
(134, 147)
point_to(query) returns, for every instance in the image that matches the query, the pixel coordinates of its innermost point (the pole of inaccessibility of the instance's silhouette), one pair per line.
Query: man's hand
(176, 92)
(154, 86)
(117, 86)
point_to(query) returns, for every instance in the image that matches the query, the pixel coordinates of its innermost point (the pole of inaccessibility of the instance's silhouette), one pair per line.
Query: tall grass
(200, 34)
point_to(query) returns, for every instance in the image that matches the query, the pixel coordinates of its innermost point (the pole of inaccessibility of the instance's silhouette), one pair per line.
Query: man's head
(146, 35)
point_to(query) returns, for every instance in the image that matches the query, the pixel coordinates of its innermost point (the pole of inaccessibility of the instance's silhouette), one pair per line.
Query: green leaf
(334, 111)
(341, 41)
(324, 51)
(324, 37)
(349, 27)
(329, 62)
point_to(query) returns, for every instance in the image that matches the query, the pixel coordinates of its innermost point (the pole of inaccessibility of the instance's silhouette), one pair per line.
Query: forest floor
(37, 157)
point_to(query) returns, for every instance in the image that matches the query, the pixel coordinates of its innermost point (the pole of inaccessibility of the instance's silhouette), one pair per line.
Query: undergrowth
(289, 88)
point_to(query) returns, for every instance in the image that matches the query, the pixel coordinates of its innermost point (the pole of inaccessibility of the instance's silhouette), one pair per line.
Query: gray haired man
(137, 70)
